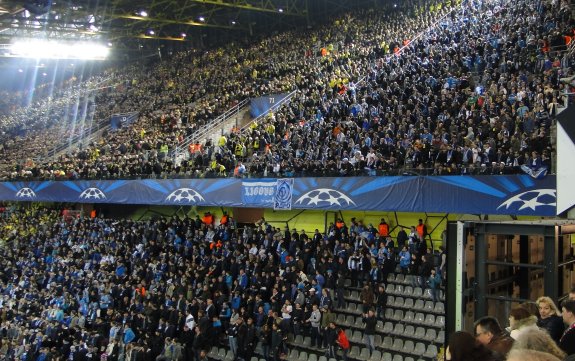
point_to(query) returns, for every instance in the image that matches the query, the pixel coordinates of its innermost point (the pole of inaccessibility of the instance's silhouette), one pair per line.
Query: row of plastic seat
(220, 354)
(418, 333)
(409, 347)
(360, 353)
(409, 291)
(409, 330)
(397, 315)
(354, 304)
(415, 317)
(418, 305)
(387, 342)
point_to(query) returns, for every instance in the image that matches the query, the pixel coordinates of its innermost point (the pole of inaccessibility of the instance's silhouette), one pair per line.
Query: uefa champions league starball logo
(92, 193)
(26, 193)
(324, 196)
(532, 199)
(185, 195)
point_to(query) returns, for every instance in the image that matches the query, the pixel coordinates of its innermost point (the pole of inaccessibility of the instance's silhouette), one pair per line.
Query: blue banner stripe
(526, 180)
(382, 182)
(514, 194)
(508, 184)
(469, 183)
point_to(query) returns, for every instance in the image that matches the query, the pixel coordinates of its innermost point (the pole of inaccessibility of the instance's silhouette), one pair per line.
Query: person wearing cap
(345, 167)
(313, 297)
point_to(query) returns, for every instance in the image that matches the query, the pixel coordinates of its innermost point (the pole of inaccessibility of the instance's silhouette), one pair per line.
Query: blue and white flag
(283, 194)
(259, 192)
(118, 121)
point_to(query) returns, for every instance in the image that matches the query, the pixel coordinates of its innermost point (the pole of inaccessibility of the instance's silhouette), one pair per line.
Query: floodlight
(201, 18)
(49, 49)
(143, 13)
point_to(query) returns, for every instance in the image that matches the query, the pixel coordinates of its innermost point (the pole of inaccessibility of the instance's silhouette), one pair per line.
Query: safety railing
(83, 138)
(201, 133)
(403, 170)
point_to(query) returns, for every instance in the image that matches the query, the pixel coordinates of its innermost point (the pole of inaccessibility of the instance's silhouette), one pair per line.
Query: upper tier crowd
(429, 86)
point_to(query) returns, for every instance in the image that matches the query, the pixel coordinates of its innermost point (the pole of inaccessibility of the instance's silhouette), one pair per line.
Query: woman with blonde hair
(538, 340)
(550, 318)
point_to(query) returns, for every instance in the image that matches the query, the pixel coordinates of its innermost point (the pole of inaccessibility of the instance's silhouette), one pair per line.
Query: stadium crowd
(446, 88)
(75, 288)
(537, 331)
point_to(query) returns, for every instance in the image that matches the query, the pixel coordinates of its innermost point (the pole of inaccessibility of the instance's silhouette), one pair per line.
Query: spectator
(339, 291)
(530, 355)
(367, 298)
(463, 347)
(369, 331)
(326, 319)
(567, 341)
(381, 301)
(520, 320)
(549, 318)
(538, 340)
(434, 281)
(330, 338)
(425, 270)
(443, 263)
(404, 260)
(489, 333)
(277, 341)
(315, 323)
(421, 230)
(343, 344)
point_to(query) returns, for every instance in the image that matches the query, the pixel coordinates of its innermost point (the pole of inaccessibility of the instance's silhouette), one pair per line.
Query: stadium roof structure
(129, 24)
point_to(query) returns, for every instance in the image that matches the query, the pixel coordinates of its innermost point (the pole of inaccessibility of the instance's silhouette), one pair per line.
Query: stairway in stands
(413, 328)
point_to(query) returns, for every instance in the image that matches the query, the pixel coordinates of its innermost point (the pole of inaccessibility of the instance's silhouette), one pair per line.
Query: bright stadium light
(47, 49)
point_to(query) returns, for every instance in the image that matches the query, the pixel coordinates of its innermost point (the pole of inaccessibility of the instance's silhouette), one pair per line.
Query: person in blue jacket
(404, 260)
(129, 335)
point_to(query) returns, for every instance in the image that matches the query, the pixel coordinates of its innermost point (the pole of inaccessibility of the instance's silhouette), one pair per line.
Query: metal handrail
(201, 132)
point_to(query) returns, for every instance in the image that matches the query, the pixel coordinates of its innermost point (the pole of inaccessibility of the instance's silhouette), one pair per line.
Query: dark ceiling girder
(176, 22)
(290, 8)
